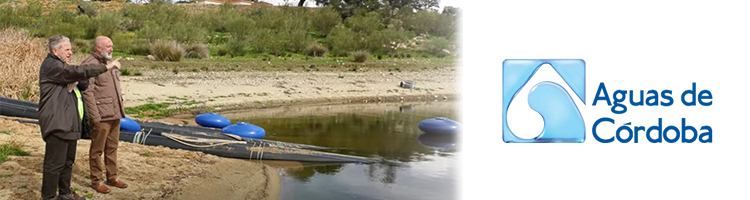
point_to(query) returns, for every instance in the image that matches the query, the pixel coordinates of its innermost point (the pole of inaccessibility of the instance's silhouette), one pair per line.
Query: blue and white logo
(563, 122)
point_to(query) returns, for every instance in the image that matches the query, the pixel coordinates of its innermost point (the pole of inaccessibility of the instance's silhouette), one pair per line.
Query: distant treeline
(241, 30)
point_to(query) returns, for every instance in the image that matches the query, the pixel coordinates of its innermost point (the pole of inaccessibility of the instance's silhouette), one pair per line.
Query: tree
(450, 10)
(415, 4)
(348, 8)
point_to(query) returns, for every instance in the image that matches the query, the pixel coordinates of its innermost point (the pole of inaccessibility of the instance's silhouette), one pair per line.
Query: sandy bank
(274, 88)
(152, 172)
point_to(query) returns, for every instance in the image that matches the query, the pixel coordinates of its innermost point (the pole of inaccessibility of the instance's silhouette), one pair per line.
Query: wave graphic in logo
(563, 122)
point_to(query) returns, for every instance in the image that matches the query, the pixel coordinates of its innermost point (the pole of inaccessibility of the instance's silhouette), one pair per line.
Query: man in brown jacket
(60, 114)
(104, 108)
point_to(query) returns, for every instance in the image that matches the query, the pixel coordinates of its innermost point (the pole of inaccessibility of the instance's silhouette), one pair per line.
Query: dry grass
(360, 56)
(316, 50)
(20, 57)
(196, 51)
(167, 51)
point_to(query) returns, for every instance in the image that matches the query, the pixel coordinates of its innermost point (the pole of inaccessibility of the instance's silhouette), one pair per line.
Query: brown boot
(101, 188)
(117, 183)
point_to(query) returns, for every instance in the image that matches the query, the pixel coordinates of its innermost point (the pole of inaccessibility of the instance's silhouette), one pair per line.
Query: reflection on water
(304, 174)
(438, 142)
(415, 165)
(406, 108)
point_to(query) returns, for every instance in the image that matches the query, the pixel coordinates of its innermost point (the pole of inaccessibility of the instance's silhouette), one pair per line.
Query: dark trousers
(59, 156)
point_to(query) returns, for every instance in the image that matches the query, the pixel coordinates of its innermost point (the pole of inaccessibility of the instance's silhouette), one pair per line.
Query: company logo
(563, 122)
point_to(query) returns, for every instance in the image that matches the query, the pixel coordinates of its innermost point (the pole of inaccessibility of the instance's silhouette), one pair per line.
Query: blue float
(128, 124)
(213, 120)
(245, 130)
(440, 125)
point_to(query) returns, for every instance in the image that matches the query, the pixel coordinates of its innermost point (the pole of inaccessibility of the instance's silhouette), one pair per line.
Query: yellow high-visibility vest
(80, 103)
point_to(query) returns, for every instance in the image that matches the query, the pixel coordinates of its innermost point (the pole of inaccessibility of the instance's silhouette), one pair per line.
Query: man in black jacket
(60, 114)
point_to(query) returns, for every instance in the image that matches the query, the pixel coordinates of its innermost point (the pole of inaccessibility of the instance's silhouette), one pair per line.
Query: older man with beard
(104, 106)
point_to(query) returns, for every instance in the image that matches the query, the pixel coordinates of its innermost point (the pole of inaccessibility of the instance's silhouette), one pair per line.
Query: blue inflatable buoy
(440, 125)
(128, 124)
(440, 142)
(213, 120)
(245, 130)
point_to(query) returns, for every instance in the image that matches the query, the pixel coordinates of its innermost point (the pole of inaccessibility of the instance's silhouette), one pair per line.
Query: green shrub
(128, 43)
(386, 40)
(20, 17)
(123, 42)
(279, 30)
(435, 46)
(240, 28)
(237, 30)
(66, 29)
(188, 33)
(292, 40)
(446, 26)
(294, 18)
(89, 26)
(136, 14)
(9, 17)
(324, 20)
(167, 51)
(422, 22)
(263, 40)
(343, 40)
(217, 20)
(11, 148)
(236, 48)
(317, 50)
(59, 21)
(33, 9)
(222, 51)
(166, 14)
(196, 51)
(108, 23)
(89, 9)
(125, 72)
(365, 24)
(269, 17)
(82, 46)
(139, 48)
(130, 24)
(129, 72)
(360, 56)
(151, 32)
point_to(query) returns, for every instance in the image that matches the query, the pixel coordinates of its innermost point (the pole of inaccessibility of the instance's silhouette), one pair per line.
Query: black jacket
(58, 111)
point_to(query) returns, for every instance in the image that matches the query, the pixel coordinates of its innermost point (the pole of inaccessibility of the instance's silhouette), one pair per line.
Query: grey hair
(54, 41)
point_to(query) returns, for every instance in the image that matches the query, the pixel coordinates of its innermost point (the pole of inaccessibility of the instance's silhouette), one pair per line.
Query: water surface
(414, 165)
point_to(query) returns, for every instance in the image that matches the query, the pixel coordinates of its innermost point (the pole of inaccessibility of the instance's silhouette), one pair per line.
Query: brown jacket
(103, 98)
(58, 113)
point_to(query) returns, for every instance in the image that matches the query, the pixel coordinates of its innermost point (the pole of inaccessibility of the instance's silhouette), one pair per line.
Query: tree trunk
(301, 3)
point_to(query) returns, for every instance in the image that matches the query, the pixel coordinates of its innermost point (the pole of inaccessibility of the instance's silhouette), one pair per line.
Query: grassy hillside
(200, 31)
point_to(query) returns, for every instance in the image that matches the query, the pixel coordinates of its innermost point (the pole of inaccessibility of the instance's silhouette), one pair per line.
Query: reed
(20, 58)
